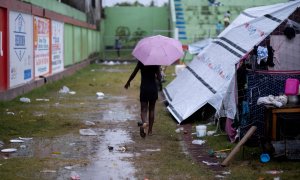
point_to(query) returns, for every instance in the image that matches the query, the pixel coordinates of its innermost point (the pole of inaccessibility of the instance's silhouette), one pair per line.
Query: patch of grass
(34, 168)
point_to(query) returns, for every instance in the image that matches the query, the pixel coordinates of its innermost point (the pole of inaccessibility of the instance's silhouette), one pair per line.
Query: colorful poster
(21, 58)
(41, 40)
(57, 50)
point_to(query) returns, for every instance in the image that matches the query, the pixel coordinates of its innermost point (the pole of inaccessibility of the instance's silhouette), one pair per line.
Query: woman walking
(148, 93)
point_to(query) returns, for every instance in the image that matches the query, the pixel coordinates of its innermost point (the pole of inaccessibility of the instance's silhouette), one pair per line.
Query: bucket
(291, 86)
(201, 130)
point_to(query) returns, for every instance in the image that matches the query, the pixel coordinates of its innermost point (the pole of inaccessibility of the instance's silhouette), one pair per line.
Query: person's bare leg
(151, 116)
(144, 108)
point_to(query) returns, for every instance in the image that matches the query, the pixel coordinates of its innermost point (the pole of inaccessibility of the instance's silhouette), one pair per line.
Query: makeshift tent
(210, 77)
(198, 46)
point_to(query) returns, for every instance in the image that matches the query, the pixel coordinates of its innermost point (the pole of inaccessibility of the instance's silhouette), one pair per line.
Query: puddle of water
(111, 164)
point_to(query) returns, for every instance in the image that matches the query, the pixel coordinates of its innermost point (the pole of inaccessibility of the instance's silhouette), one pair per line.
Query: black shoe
(140, 123)
(142, 132)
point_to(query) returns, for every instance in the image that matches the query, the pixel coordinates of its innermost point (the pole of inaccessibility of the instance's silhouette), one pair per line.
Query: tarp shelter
(210, 77)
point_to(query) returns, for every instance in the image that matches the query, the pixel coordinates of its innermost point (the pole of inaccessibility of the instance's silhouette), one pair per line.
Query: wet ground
(106, 144)
(107, 150)
(106, 153)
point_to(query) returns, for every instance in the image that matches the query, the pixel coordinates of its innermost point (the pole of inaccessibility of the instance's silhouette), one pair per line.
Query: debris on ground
(25, 100)
(72, 92)
(89, 123)
(9, 150)
(219, 176)
(178, 130)
(122, 148)
(211, 163)
(87, 132)
(16, 141)
(198, 142)
(48, 171)
(210, 133)
(75, 176)
(40, 99)
(25, 138)
(274, 172)
(152, 150)
(10, 113)
(100, 95)
(66, 90)
(110, 148)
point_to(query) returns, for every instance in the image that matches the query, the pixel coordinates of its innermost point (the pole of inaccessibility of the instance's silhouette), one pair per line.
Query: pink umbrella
(158, 50)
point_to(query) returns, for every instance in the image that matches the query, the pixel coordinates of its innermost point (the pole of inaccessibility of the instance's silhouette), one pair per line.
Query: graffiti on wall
(127, 38)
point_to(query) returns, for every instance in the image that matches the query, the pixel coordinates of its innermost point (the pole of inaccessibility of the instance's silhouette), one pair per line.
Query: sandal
(142, 132)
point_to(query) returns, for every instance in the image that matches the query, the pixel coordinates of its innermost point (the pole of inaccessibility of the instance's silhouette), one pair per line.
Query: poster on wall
(41, 45)
(57, 50)
(21, 56)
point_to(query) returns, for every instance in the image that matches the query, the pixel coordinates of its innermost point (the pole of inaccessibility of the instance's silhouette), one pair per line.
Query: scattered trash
(72, 92)
(219, 153)
(199, 142)
(1, 143)
(178, 130)
(122, 149)
(110, 148)
(276, 178)
(23, 146)
(16, 141)
(152, 150)
(87, 132)
(9, 150)
(46, 100)
(10, 113)
(25, 139)
(64, 90)
(25, 100)
(100, 95)
(219, 176)
(89, 123)
(210, 133)
(68, 167)
(48, 171)
(226, 172)
(274, 172)
(75, 176)
(210, 163)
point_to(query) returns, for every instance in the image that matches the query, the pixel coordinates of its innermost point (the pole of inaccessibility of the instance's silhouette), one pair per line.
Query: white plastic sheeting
(208, 78)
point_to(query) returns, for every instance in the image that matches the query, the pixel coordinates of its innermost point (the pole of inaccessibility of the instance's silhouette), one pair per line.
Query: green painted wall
(77, 44)
(84, 43)
(68, 45)
(147, 19)
(61, 8)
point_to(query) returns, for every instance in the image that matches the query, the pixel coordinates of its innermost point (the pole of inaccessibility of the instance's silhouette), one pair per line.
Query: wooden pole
(238, 146)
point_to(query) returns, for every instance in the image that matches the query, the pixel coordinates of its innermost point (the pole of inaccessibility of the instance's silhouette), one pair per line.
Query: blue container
(264, 158)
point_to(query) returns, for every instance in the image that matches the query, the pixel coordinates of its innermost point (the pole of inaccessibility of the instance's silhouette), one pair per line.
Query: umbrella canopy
(158, 50)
